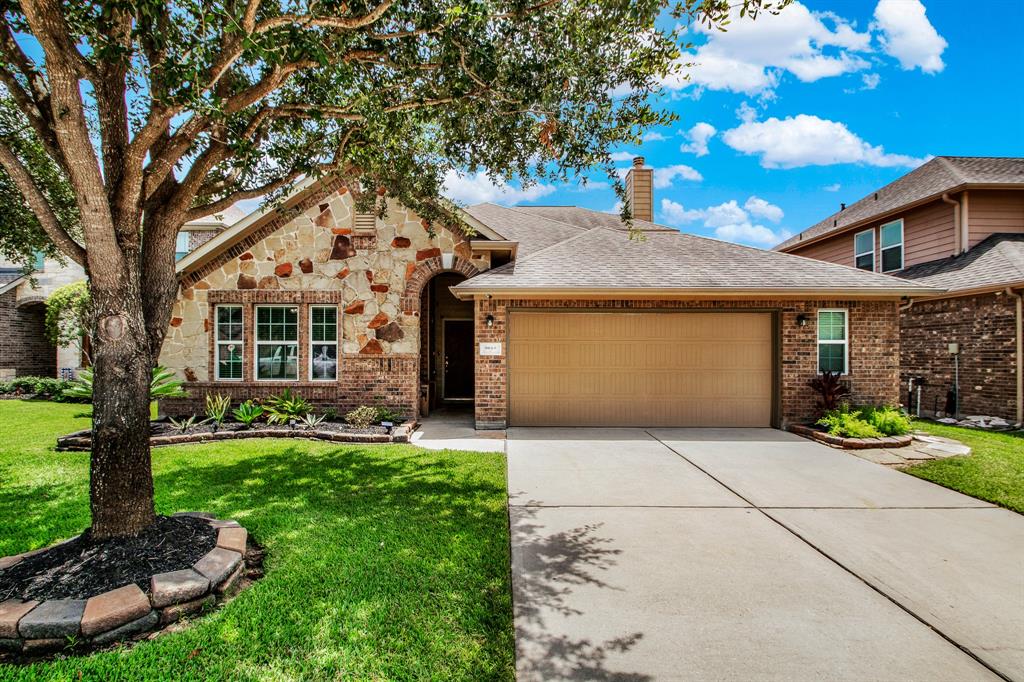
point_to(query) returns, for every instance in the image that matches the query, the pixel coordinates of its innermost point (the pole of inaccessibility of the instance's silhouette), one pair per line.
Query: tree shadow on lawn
(382, 562)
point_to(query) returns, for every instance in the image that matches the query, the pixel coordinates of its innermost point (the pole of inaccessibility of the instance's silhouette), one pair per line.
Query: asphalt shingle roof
(602, 257)
(998, 259)
(941, 174)
(8, 275)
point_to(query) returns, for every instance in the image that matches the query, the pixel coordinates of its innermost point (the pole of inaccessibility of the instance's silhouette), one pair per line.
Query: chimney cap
(638, 162)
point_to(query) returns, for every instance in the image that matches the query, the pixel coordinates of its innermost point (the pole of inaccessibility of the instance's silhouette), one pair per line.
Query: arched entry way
(446, 345)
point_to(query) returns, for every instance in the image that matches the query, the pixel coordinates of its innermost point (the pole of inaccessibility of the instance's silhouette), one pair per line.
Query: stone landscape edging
(850, 443)
(32, 627)
(82, 440)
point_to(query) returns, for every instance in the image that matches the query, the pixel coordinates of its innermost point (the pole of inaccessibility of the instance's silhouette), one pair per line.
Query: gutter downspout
(1020, 352)
(956, 222)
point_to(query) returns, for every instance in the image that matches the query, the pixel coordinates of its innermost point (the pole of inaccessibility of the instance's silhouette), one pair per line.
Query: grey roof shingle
(8, 275)
(605, 258)
(998, 259)
(941, 174)
(532, 233)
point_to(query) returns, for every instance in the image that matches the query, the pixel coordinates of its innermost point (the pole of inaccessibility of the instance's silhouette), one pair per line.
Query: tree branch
(240, 195)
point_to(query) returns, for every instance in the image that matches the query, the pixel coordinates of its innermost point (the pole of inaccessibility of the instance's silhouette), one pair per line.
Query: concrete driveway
(752, 554)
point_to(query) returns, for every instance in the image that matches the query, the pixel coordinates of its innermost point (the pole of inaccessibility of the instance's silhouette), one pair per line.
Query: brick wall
(873, 335)
(24, 349)
(984, 326)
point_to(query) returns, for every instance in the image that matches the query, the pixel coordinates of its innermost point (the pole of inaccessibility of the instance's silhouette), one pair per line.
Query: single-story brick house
(544, 316)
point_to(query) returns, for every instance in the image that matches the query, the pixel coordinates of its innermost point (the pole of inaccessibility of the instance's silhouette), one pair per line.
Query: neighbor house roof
(996, 261)
(600, 257)
(10, 278)
(925, 183)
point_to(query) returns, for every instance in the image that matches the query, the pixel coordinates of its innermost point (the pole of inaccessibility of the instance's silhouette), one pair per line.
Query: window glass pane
(229, 361)
(892, 259)
(229, 323)
(831, 357)
(831, 326)
(325, 324)
(40, 261)
(863, 242)
(892, 233)
(278, 323)
(866, 262)
(325, 361)
(277, 361)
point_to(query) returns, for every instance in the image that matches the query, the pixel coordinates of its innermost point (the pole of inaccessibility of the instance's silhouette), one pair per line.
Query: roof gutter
(1020, 352)
(468, 293)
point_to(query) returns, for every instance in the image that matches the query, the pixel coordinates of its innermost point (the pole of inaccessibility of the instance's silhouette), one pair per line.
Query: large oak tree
(158, 112)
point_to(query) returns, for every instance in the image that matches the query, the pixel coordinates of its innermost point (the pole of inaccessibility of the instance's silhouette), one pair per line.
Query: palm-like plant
(163, 384)
(248, 412)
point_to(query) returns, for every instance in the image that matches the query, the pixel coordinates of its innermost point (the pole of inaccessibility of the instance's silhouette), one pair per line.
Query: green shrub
(161, 385)
(362, 417)
(248, 412)
(386, 414)
(287, 406)
(47, 387)
(848, 424)
(217, 407)
(889, 420)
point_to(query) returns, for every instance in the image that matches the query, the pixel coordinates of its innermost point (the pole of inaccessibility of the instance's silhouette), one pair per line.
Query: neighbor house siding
(873, 337)
(991, 211)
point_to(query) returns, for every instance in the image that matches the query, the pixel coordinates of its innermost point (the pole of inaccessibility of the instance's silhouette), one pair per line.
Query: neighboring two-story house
(955, 223)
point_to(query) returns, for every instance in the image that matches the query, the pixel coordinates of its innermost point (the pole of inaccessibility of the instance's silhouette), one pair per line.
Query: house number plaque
(490, 348)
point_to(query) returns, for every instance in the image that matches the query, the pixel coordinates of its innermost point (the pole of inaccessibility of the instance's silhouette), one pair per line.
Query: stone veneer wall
(312, 255)
(873, 335)
(24, 349)
(985, 328)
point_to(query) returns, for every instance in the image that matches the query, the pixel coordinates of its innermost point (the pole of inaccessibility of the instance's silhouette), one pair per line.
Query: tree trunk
(121, 478)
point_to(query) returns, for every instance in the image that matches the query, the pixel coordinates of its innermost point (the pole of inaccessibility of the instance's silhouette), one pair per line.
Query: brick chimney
(640, 190)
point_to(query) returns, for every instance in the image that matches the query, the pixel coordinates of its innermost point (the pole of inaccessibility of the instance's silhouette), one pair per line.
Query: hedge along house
(544, 316)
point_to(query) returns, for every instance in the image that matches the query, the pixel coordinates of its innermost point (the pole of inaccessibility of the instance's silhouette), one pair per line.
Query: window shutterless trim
(871, 252)
(845, 341)
(256, 343)
(312, 342)
(883, 249)
(218, 342)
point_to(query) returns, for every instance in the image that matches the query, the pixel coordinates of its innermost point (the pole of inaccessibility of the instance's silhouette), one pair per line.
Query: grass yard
(994, 471)
(383, 562)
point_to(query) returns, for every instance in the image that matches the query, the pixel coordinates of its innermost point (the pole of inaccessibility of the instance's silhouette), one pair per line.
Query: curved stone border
(32, 628)
(82, 441)
(850, 443)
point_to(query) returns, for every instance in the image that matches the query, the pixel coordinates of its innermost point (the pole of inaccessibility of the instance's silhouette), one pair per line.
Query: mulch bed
(81, 568)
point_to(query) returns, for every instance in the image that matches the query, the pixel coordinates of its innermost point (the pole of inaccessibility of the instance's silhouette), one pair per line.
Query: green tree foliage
(67, 313)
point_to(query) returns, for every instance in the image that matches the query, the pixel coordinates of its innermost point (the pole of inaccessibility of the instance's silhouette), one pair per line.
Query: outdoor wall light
(490, 320)
(801, 320)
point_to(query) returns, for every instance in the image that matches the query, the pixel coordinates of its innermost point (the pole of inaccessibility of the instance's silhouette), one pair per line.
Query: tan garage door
(640, 369)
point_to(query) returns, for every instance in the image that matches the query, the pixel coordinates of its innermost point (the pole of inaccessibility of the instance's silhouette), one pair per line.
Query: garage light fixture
(490, 321)
(801, 320)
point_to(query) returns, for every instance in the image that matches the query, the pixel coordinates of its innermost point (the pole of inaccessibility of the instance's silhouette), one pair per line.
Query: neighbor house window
(323, 343)
(891, 241)
(181, 246)
(832, 341)
(277, 342)
(864, 250)
(39, 261)
(229, 342)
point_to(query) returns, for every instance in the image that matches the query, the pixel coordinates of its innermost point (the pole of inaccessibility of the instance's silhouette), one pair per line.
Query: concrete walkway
(753, 554)
(454, 429)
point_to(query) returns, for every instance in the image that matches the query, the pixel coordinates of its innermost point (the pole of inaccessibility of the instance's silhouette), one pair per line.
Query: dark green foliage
(162, 385)
(848, 423)
(41, 387)
(68, 310)
(286, 406)
(889, 420)
(830, 389)
(248, 412)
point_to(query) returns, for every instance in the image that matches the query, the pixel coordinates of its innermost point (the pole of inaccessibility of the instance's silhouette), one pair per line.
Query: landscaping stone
(11, 611)
(113, 609)
(10, 645)
(176, 587)
(231, 581)
(217, 523)
(146, 622)
(43, 645)
(8, 561)
(218, 564)
(232, 539)
(56, 618)
(879, 456)
(948, 449)
(175, 612)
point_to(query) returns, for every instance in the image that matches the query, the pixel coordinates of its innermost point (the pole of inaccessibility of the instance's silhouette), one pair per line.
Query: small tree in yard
(155, 113)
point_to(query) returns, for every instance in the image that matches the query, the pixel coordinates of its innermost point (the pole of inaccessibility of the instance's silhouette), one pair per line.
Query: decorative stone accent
(246, 282)
(218, 564)
(378, 321)
(176, 587)
(306, 265)
(850, 443)
(56, 618)
(342, 248)
(246, 256)
(390, 332)
(176, 321)
(326, 218)
(401, 242)
(343, 273)
(372, 347)
(269, 282)
(379, 288)
(283, 270)
(424, 254)
(232, 538)
(11, 611)
(341, 230)
(369, 276)
(355, 308)
(113, 609)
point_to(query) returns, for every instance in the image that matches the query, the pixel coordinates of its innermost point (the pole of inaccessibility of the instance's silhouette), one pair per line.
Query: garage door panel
(640, 369)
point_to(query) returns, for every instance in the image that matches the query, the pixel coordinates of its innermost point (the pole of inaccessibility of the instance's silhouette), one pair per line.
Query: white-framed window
(864, 250)
(277, 343)
(890, 238)
(181, 246)
(833, 340)
(230, 341)
(323, 343)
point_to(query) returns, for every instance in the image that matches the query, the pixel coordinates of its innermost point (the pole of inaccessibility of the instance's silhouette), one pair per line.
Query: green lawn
(993, 472)
(383, 562)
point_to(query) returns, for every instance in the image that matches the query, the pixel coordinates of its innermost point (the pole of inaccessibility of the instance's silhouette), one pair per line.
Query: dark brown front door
(458, 359)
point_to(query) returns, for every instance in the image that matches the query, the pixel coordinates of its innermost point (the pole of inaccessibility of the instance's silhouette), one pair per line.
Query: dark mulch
(80, 569)
(166, 428)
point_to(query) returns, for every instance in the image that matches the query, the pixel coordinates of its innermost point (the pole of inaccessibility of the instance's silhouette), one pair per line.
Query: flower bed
(67, 614)
(164, 433)
(819, 434)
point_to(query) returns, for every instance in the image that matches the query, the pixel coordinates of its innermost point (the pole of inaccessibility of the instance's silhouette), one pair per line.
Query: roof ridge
(951, 167)
(544, 217)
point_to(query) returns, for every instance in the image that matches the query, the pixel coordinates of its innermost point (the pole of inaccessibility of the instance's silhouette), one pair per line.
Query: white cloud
(663, 177)
(907, 35)
(806, 140)
(834, 187)
(763, 209)
(729, 221)
(746, 113)
(475, 188)
(870, 81)
(698, 135)
(623, 156)
(654, 136)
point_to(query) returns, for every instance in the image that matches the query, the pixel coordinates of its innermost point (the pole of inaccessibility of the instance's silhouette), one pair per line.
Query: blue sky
(788, 116)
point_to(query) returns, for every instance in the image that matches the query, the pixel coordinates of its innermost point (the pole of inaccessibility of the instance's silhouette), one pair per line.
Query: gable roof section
(925, 183)
(997, 261)
(602, 260)
(10, 278)
(532, 232)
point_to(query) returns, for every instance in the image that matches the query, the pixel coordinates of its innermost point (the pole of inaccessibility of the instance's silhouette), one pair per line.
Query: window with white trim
(323, 343)
(891, 240)
(229, 342)
(833, 346)
(181, 245)
(277, 343)
(864, 250)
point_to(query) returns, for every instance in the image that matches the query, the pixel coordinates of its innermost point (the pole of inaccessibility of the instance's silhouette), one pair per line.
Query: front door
(458, 359)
